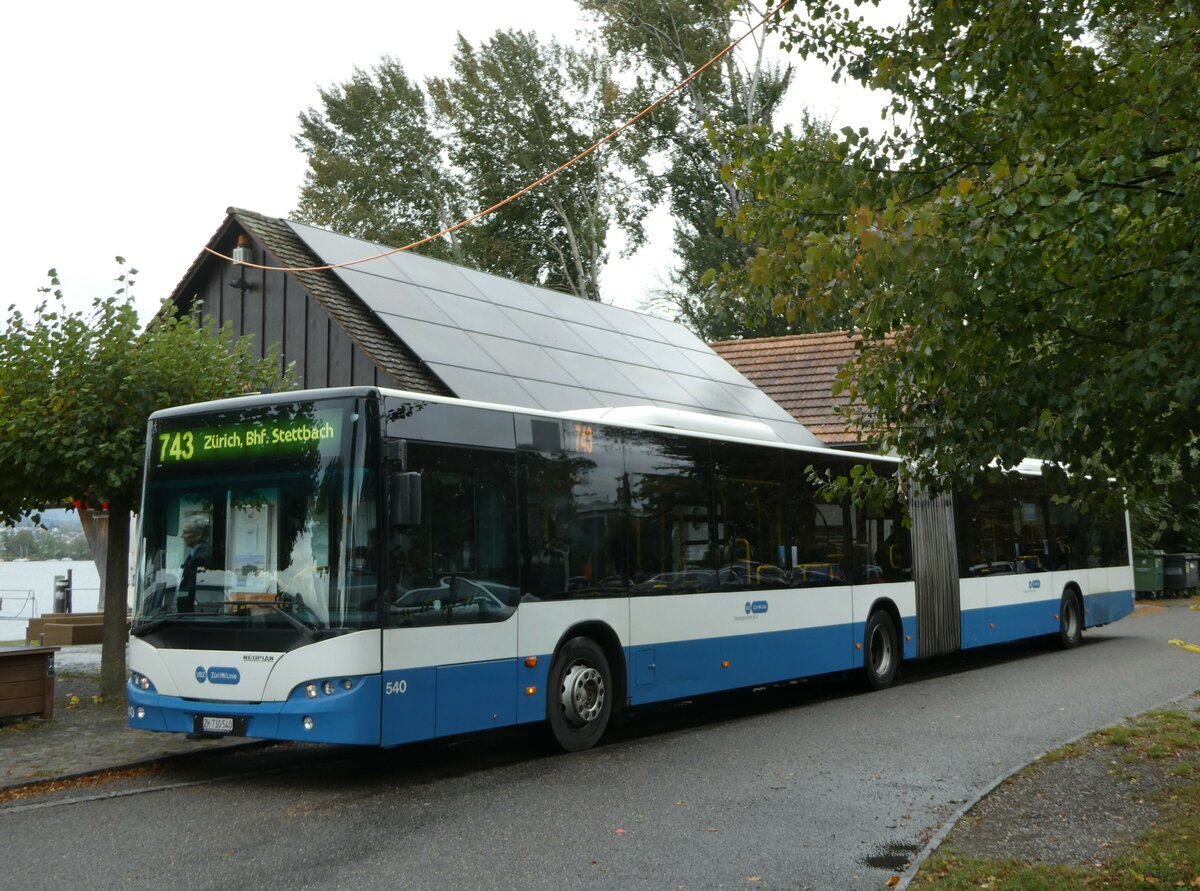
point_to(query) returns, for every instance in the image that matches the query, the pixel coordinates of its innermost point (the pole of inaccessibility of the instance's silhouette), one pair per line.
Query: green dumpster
(1148, 573)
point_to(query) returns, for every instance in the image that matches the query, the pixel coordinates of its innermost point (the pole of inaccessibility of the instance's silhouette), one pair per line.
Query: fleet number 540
(395, 687)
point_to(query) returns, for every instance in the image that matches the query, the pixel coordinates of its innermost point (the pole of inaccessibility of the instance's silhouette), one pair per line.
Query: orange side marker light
(531, 661)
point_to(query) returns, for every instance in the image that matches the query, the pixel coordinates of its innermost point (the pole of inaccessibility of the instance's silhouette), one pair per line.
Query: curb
(940, 836)
(129, 765)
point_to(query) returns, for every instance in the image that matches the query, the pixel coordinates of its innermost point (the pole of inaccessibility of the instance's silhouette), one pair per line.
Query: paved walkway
(84, 735)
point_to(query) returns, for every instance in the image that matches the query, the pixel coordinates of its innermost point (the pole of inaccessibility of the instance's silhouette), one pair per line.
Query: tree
(516, 109)
(377, 166)
(392, 163)
(1026, 228)
(76, 389)
(667, 41)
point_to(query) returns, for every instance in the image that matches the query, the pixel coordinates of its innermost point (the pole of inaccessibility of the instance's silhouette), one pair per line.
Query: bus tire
(881, 651)
(1070, 621)
(579, 695)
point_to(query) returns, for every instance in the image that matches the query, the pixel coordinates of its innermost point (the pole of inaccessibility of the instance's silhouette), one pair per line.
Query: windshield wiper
(141, 629)
(308, 629)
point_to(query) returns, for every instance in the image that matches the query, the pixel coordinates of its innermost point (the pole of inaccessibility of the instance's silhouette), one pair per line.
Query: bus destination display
(251, 438)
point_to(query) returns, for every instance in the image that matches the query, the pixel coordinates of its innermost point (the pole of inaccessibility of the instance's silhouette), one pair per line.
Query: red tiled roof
(798, 371)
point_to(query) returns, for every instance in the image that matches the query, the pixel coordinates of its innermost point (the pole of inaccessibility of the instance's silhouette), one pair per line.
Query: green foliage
(516, 109)
(1026, 229)
(665, 42)
(76, 389)
(1167, 516)
(394, 163)
(376, 165)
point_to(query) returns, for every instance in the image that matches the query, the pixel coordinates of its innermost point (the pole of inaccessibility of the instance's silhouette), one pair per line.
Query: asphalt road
(809, 786)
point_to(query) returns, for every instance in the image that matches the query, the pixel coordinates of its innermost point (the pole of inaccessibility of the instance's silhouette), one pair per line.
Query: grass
(1165, 856)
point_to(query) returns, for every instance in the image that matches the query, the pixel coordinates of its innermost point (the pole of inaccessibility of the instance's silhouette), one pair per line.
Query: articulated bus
(374, 567)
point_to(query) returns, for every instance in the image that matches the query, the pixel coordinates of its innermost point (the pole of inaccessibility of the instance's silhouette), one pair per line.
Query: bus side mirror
(405, 502)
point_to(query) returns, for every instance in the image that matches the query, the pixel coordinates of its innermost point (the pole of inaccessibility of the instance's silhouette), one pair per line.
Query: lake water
(20, 580)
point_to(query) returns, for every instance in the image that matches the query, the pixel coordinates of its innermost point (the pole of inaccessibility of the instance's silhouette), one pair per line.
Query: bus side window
(572, 538)
(751, 509)
(882, 543)
(453, 559)
(675, 531)
(820, 529)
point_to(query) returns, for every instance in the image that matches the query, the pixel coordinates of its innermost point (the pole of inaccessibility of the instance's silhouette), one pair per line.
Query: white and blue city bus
(375, 567)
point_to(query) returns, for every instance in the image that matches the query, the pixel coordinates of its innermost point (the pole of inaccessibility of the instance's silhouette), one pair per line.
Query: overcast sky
(130, 127)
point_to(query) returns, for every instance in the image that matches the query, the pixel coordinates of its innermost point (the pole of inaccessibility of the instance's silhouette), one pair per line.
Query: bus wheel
(1070, 621)
(579, 700)
(881, 651)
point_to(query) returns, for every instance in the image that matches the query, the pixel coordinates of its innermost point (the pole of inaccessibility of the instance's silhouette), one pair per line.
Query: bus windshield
(258, 518)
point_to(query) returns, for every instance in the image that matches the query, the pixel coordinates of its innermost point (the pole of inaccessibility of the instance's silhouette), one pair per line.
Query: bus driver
(198, 555)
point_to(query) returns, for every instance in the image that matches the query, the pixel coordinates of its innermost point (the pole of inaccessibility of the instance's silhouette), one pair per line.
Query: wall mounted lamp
(242, 253)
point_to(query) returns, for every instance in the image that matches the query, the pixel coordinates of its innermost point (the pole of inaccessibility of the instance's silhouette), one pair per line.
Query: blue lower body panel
(1000, 624)
(994, 625)
(345, 716)
(421, 703)
(909, 633)
(1100, 609)
(1022, 620)
(677, 670)
(974, 628)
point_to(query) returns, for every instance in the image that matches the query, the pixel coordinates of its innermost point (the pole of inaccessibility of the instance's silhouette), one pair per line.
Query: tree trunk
(95, 530)
(116, 594)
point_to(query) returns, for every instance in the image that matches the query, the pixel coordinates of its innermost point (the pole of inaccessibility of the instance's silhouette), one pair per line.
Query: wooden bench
(36, 628)
(56, 634)
(27, 681)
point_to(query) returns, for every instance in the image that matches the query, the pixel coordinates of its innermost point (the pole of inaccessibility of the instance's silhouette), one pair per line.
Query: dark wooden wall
(277, 310)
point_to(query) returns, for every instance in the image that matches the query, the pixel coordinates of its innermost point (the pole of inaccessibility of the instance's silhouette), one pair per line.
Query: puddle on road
(895, 856)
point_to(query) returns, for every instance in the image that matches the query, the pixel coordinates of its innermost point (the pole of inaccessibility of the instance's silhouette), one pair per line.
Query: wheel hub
(881, 651)
(582, 694)
(1071, 618)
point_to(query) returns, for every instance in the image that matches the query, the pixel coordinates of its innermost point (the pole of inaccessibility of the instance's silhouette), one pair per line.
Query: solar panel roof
(493, 339)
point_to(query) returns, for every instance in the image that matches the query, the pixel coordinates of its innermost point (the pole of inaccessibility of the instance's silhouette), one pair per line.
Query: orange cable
(533, 185)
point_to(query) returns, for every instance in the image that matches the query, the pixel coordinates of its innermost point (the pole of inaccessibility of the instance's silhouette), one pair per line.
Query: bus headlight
(140, 681)
(308, 722)
(326, 686)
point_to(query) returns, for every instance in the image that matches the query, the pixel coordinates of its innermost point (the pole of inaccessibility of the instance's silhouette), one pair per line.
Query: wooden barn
(414, 323)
